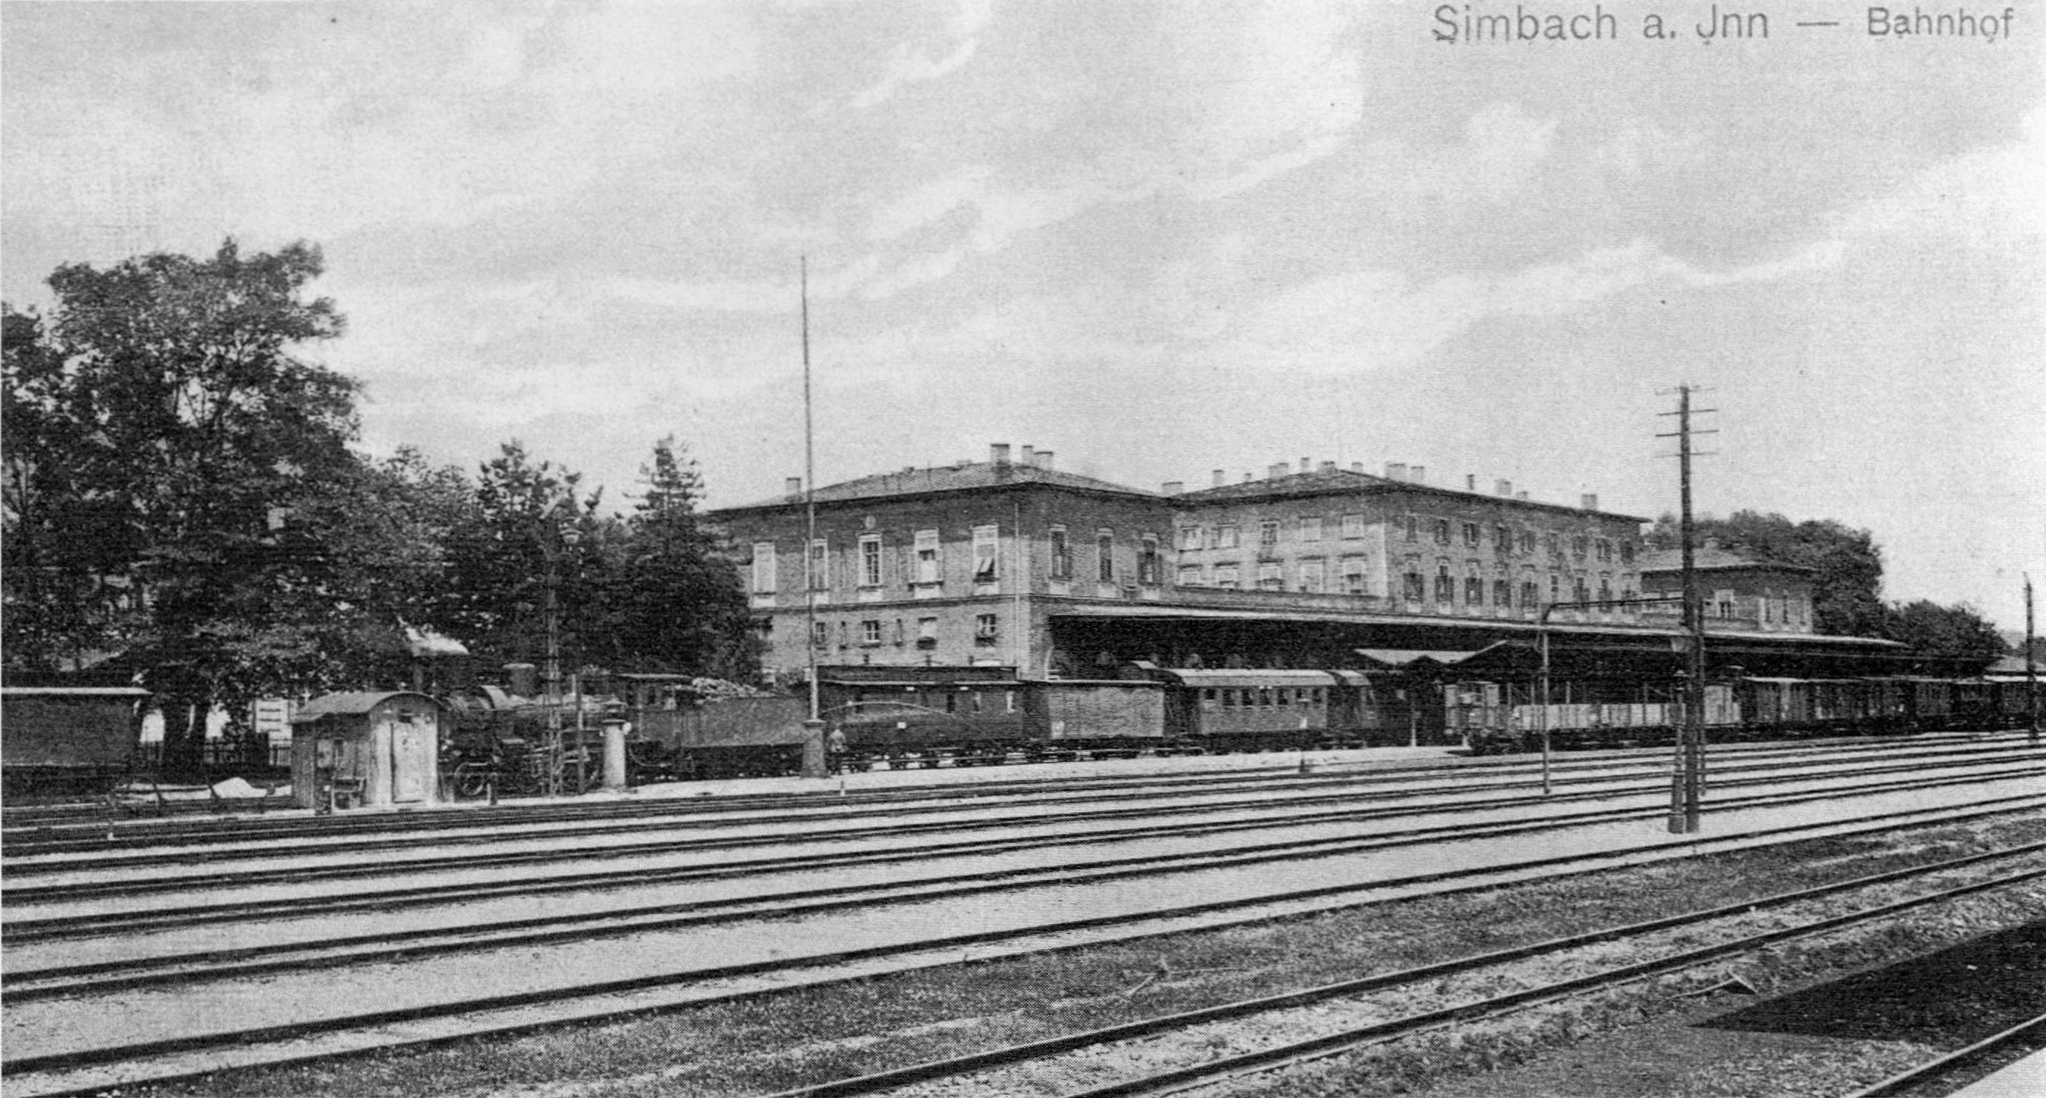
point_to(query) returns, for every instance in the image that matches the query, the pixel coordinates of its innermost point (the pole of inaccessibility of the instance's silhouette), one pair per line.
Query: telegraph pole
(1688, 782)
(2031, 672)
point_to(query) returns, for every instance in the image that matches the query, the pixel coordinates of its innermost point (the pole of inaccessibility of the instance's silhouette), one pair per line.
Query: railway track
(166, 1058)
(1930, 1077)
(391, 854)
(1282, 1055)
(22, 840)
(832, 852)
(36, 983)
(99, 1066)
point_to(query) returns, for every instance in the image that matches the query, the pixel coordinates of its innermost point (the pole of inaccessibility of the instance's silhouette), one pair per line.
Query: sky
(1157, 239)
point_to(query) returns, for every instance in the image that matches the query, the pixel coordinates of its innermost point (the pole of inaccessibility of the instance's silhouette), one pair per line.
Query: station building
(1014, 563)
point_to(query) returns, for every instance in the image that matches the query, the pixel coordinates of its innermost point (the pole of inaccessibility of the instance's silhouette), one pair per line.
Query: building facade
(1740, 592)
(975, 563)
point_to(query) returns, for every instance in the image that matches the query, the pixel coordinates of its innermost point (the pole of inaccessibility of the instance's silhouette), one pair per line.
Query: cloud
(1371, 319)
(910, 64)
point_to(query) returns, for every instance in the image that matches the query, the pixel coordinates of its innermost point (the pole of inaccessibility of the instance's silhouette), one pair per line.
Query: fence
(224, 754)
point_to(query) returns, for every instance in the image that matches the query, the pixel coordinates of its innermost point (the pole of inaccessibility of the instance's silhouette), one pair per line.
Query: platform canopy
(1498, 656)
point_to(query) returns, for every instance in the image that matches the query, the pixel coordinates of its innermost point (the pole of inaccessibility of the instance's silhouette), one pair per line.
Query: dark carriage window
(1285, 696)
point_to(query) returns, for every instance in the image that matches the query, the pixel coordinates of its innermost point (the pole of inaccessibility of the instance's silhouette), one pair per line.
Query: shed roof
(353, 703)
(1249, 677)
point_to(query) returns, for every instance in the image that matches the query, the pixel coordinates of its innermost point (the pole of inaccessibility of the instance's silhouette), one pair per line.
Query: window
(898, 633)
(1502, 592)
(1268, 534)
(1474, 589)
(1353, 527)
(927, 569)
(1416, 584)
(1189, 537)
(986, 543)
(1527, 541)
(1502, 540)
(1530, 593)
(1353, 575)
(820, 634)
(1605, 592)
(1442, 531)
(1724, 602)
(1626, 552)
(870, 561)
(1445, 584)
(1104, 551)
(926, 632)
(1582, 587)
(820, 565)
(1555, 543)
(764, 580)
(870, 634)
(1605, 550)
(986, 630)
(1269, 577)
(1150, 566)
(1061, 555)
(1555, 588)
(842, 641)
(1579, 545)
(1225, 576)
(1313, 576)
(1413, 525)
(1190, 575)
(1470, 535)
(1225, 536)
(1310, 528)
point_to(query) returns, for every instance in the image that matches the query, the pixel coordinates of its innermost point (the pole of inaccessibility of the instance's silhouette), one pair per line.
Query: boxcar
(67, 739)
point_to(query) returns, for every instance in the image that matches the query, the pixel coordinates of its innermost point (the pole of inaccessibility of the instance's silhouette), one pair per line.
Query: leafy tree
(1847, 590)
(529, 521)
(1949, 632)
(680, 607)
(164, 400)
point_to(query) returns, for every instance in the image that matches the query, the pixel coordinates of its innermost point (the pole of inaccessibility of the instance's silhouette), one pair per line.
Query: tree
(529, 521)
(1847, 589)
(165, 401)
(680, 608)
(1947, 632)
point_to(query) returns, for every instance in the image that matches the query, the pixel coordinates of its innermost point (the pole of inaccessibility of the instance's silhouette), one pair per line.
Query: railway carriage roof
(1193, 677)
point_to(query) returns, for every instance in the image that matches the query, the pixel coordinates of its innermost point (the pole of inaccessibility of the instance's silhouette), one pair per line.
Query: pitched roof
(1338, 480)
(1713, 558)
(351, 703)
(965, 477)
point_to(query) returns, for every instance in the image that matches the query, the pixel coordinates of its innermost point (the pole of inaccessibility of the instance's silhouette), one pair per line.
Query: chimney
(1418, 474)
(1328, 466)
(1246, 476)
(1504, 488)
(1173, 487)
(794, 487)
(1305, 465)
(1221, 478)
(1589, 501)
(1470, 482)
(1395, 470)
(1520, 495)
(1044, 459)
(1356, 466)
(998, 453)
(1029, 457)
(1278, 470)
